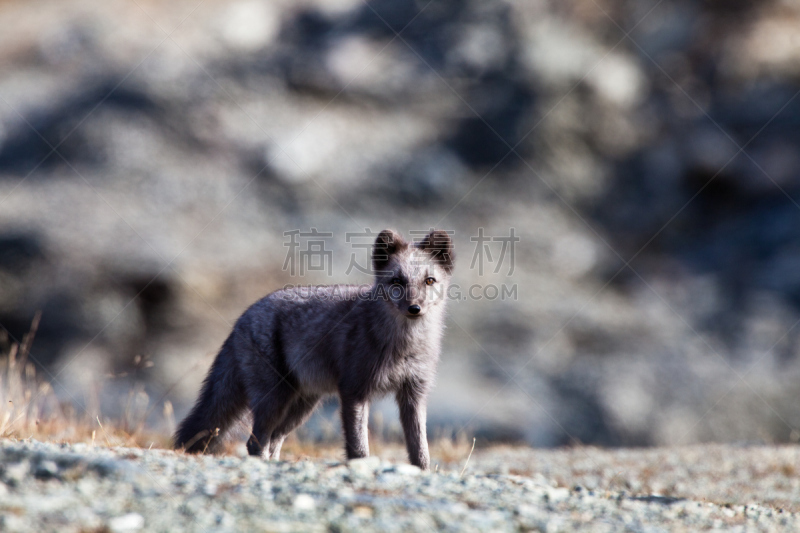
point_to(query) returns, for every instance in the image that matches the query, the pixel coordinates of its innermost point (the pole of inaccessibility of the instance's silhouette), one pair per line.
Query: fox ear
(388, 242)
(438, 244)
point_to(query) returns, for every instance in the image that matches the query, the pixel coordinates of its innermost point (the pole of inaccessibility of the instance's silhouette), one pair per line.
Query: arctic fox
(295, 346)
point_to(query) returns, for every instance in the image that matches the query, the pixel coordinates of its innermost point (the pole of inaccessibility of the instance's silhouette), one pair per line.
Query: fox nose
(413, 309)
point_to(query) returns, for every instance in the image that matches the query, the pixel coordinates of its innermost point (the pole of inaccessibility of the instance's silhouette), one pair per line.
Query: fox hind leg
(298, 412)
(269, 410)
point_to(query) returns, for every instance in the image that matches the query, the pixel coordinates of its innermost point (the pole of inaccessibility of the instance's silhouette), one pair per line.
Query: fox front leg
(355, 417)
(411, 400)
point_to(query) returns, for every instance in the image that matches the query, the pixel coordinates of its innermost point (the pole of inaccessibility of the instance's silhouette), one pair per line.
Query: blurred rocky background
(646, 153)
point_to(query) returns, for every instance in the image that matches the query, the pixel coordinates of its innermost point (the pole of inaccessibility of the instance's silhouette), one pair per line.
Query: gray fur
(295, 346)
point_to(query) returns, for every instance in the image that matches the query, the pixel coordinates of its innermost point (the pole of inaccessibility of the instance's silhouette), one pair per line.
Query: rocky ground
(55, 487)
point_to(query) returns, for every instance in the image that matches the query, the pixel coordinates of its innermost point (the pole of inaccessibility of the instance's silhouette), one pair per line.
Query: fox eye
(430, 281)
(397, 281)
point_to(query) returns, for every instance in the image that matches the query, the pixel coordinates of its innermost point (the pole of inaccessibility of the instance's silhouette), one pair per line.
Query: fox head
(413, 277)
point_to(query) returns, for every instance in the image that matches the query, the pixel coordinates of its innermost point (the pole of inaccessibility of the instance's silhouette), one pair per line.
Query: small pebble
(46, 470)
(304, 502)
(407, 470)
(364, 466)
(128, 522)
(16, 472)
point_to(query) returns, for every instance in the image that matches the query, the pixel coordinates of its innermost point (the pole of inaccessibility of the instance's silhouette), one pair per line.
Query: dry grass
(445, 452)
(30, 408)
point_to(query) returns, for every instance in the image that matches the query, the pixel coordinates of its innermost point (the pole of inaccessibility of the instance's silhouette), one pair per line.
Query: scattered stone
(364, 466)
(46, 470)
(407, 470)
(304, 502)
(16, 472)
(128, 522)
